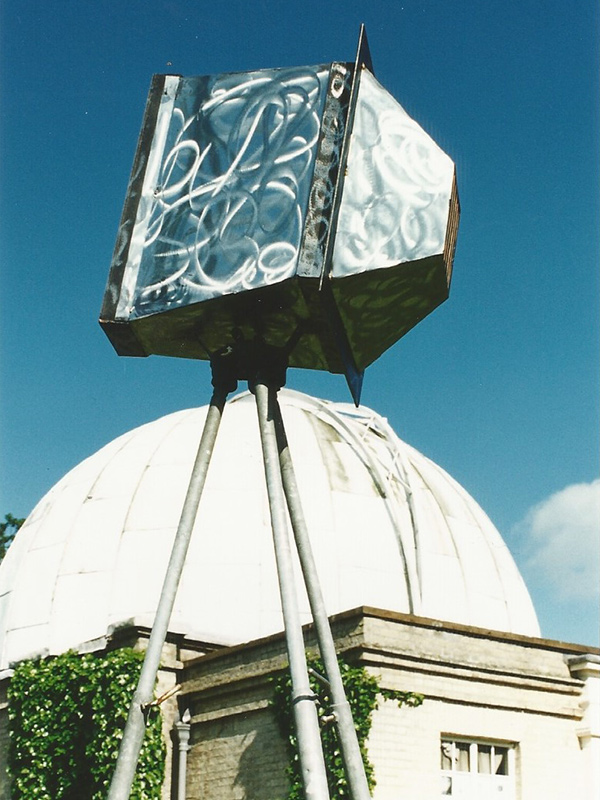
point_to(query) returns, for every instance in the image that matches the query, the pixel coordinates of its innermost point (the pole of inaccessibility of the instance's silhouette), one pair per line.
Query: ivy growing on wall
(363, 693)
(66, 718)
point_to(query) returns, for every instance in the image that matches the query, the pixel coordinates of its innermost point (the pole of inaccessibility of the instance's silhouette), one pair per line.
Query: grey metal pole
(183, 738)
(349, 746)
(312, 764)
(133, 735)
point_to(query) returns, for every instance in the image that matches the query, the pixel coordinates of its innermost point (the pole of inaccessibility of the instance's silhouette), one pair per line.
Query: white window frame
(470, 784)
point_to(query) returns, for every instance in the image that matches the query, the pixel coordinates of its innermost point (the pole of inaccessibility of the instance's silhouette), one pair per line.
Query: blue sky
(499, 385)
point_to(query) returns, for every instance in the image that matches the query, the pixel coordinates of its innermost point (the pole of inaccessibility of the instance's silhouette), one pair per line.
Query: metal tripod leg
(349, 746)
(133, 736)
(312, 764)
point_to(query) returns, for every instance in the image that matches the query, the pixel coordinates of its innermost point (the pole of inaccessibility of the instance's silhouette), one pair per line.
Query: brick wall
(478, 685)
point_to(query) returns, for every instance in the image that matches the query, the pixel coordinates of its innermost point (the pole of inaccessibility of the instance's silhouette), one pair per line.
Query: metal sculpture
(278, 218)
(296, 209)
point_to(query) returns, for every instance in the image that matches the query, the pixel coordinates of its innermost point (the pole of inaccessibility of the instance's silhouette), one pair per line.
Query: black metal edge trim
(132, 199)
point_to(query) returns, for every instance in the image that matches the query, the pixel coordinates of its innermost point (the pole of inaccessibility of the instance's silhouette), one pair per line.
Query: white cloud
(562, 540)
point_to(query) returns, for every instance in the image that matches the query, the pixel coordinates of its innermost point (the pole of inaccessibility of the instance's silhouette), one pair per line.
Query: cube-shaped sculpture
(302, 208)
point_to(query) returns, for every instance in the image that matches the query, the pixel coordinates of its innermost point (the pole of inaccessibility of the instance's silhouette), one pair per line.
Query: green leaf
(66, 717)
(362, 690)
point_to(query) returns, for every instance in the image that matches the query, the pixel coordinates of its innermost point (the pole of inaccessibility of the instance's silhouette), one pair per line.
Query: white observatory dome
(389, 528)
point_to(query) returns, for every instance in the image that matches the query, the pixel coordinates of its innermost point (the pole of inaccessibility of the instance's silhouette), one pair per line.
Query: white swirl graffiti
(227, 211)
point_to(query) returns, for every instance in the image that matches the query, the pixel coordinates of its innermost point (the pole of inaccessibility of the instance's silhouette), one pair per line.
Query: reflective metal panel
(225, 209)
(395, 199)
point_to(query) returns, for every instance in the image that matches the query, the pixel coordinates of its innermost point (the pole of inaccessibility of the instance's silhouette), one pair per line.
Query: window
(477, 770)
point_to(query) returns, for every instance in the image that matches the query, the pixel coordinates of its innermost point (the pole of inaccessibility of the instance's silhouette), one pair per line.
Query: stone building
(421, 588)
